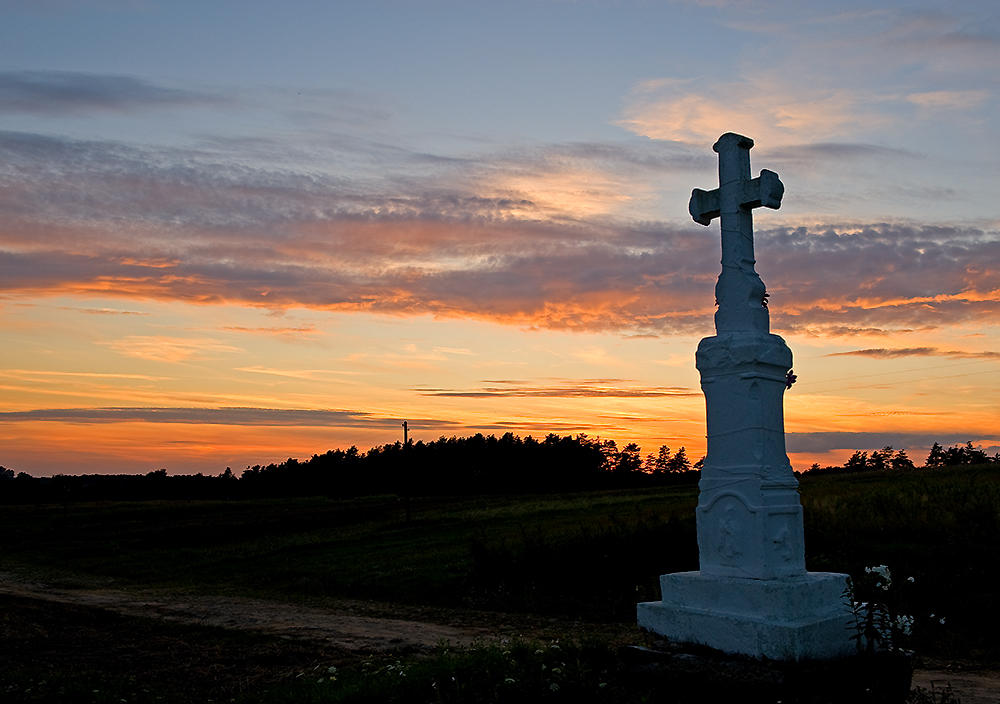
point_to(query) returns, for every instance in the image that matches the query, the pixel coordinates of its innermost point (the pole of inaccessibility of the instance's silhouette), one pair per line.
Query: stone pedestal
(752, 595)
(749, 514)
(792, 618)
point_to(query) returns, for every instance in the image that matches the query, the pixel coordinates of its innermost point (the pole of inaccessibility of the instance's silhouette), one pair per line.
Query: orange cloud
(158, 348)
(698, 111)
(890, 353)
(650, 279)
(473, 247)
(565, 388)
(39, 373)
(284, 333)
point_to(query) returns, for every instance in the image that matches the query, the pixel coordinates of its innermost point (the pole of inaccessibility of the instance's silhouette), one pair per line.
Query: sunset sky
(236, 232)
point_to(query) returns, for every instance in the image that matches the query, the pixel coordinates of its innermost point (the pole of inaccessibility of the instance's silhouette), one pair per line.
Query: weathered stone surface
(749, 514)
(752, 594)
(794, 618)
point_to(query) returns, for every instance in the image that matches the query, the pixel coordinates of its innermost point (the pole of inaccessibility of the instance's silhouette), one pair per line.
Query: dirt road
(338, 628)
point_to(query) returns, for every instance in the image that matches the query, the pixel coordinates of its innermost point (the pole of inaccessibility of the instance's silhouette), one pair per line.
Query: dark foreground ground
(470, 599)
(59, 652)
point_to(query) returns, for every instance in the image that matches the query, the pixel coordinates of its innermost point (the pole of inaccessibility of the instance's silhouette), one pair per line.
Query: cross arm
(765, 190)
(704, 205)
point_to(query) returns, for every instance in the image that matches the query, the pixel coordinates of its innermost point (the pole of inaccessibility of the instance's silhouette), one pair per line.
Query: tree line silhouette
(889, 459)
(479, 464)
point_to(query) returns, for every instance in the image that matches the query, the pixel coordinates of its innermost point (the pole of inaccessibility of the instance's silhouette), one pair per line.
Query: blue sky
(475, 215)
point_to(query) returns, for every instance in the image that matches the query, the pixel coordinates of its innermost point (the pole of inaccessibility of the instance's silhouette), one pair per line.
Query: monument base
(804, 617)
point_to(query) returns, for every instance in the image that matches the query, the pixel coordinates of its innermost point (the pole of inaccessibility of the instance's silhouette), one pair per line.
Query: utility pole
(405, 475)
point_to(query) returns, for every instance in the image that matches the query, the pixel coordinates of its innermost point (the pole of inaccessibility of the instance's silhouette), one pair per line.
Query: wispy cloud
(162, 348)
(838, 151)
(826, 441)
(697, 111)
(103, 311)
(949, 99)
(215, 232)
(565, 388)
(39, 373)
(893, 353)
(541, 428)
(289, 332)
(310, 374)
(70, 92)
(785, 91)
(221, 416)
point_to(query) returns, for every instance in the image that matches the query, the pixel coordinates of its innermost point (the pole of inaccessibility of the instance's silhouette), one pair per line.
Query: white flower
(881, 570)
(904, 624)
(941, 620)
(911, 580)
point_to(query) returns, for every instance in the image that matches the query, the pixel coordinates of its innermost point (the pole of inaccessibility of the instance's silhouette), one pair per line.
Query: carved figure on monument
(727, 535)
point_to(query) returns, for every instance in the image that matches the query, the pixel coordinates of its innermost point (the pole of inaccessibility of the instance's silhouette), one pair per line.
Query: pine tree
(901, 461)
(858, 462)
(936, 456)
(679, 462)
(661, 465)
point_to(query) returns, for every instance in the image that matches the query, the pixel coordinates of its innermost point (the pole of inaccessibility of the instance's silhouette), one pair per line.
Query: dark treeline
(480, 464)
(889, 459)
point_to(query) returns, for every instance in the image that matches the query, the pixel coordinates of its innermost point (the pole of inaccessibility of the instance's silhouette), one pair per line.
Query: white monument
(752, 594)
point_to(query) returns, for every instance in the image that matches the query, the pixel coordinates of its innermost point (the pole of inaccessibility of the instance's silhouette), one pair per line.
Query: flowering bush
(875, 600)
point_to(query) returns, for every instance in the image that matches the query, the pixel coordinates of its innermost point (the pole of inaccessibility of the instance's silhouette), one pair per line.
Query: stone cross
(752, 593)
(749, 516)
(739, 293)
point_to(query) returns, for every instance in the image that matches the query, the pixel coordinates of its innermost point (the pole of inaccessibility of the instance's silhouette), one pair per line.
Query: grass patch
(310, 548)
(506, 672)
(590, 672)
(67, 653)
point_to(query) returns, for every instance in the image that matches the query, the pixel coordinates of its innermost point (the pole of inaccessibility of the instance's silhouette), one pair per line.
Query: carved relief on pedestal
(782, 544)
(729, 542)
(784, 533)
(724, 537)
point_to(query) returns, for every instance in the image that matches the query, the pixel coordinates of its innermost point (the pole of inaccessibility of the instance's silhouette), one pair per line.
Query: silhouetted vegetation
(958, 455)
(480, 464)
(897, 460)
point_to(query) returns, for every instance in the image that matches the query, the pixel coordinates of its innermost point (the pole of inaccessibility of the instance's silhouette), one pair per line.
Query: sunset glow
(260, 232)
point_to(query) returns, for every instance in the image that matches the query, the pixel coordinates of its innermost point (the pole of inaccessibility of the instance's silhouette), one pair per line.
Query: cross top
(739, 293)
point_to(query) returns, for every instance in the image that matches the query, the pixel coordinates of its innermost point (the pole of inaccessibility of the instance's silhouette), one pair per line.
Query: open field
(454, 552)
(577, 559)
